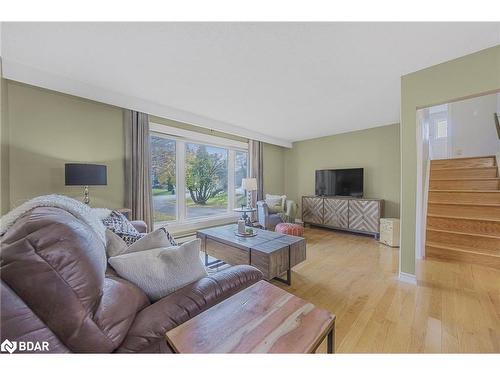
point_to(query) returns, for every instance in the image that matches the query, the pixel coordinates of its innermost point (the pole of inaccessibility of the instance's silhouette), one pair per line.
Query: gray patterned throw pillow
(120, 225)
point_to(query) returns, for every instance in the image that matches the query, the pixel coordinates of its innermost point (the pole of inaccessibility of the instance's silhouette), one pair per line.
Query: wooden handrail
(497, 123)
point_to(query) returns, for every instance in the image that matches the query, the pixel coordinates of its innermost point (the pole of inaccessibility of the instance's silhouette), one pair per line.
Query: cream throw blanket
(91, 217)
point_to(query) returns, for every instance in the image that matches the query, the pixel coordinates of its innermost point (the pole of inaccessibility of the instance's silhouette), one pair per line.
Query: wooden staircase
(463, 212)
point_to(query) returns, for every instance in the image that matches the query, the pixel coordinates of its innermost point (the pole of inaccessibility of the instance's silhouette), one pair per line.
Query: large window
(195, 177)
(163, 168)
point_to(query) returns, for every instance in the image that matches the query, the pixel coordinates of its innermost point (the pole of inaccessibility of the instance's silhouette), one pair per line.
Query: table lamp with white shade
(249, 184)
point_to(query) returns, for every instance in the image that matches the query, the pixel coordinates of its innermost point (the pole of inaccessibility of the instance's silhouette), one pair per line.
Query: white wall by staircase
(471, 128)
(472, 125)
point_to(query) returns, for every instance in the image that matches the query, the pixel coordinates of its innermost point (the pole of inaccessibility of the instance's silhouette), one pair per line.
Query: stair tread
(467, 204)
(466, 179)
(464, 217)
(464, 233)
(462, 168)
(468, 157)
(462, 250)
(464, 191)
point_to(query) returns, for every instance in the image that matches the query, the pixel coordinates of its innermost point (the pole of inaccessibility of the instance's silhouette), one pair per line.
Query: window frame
(440, 121)
(234, 177)
(181, 137)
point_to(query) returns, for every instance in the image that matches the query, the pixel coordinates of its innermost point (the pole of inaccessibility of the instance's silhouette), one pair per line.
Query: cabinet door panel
(336, 212)
(364, 215)
(312, 210)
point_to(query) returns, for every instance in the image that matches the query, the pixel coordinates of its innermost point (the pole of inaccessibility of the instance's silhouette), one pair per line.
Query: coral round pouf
(290, 228)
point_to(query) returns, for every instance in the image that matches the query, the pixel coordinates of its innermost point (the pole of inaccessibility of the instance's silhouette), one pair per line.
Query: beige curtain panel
(256, 153)
(138, 193)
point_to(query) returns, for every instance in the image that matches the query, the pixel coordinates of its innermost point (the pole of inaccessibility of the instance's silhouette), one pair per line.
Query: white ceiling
(280, 81)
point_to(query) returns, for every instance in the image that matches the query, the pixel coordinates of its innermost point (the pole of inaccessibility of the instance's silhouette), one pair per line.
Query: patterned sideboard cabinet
(312, 210)
(346, 213)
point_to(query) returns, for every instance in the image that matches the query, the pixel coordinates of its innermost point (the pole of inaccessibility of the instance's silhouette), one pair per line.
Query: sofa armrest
(150, 325)
(262, 213)
(140, 225)
(291, 209)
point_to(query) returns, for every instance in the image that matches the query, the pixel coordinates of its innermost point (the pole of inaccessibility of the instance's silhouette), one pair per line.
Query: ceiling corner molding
(16, 71)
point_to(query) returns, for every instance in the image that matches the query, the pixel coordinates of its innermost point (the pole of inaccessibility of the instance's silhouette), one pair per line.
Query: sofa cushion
(147, 333)
(161, 271)
(119, 304)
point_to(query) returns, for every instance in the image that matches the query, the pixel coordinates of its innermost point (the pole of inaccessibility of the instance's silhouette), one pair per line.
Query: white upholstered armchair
(268, 220)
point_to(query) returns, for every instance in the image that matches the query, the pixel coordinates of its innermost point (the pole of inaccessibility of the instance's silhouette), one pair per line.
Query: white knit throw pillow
(159, 272)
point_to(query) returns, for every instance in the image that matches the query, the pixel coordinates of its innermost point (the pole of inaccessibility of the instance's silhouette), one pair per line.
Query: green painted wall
(274, 169)
(48, 129)
(4, 150)
(469, 75)
(376, 150)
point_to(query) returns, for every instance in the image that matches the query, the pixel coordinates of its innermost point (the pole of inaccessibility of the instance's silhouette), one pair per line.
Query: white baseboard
(408, 278)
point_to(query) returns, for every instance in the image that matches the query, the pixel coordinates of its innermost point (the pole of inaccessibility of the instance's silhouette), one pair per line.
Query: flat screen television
(347, 182)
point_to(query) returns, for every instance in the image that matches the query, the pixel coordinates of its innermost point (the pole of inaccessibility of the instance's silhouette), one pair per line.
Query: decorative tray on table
(252, 234)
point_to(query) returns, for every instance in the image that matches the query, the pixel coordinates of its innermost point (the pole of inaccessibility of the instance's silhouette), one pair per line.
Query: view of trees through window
(164, 179)
(205, 178)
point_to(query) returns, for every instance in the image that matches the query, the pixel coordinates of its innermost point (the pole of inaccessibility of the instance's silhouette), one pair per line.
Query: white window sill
(192, 225)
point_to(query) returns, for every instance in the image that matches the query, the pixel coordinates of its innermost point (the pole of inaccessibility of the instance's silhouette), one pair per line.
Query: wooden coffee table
(272, 253)
(260, 319)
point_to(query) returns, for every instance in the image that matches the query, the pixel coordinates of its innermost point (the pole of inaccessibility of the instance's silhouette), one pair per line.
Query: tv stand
(350, 214)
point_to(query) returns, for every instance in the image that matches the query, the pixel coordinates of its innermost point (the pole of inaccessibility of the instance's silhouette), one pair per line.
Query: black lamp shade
(85, 174)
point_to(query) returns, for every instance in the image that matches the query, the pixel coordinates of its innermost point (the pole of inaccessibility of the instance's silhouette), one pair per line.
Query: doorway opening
(461, 142)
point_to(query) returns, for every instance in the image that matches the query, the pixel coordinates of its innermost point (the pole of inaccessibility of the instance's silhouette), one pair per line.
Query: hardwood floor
(454, 308)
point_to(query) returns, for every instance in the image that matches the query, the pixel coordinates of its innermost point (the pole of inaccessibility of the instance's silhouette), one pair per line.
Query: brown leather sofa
(55, 289)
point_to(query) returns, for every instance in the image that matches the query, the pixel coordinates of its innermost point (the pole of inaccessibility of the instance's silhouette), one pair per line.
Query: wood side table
(260, 319)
